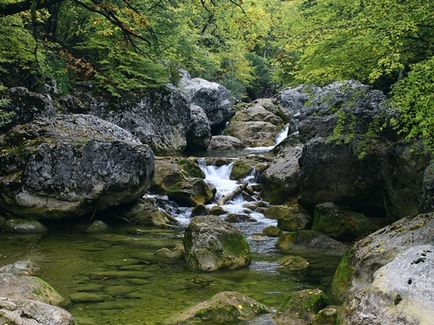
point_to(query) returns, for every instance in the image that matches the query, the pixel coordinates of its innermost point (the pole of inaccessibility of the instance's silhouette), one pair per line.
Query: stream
(130, 285)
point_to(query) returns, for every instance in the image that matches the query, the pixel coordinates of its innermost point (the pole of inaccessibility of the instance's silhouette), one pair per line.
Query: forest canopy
(253, 47)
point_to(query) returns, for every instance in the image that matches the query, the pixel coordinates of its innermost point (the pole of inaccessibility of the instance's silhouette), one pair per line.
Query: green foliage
(414, 98)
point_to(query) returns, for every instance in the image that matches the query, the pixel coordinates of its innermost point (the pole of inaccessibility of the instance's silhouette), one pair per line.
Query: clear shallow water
(139, 288)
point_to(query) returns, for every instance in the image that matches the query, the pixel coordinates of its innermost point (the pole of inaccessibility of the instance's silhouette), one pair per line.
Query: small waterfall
(282, 135)
(219, 177)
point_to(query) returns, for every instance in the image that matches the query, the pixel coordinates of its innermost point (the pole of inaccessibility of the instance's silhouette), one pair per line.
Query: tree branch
(12, 8)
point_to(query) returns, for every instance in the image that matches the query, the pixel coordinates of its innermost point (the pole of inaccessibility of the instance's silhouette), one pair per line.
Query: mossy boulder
(353, 280)
(23, 226)
(240, 169)
(146, 212)
(300, 307)
(340, 223)
(28, 287)
(177, 179)
(293, 263)
(97, 226)
(289, 218)
(271, 231)
(223, 308)
(309, 239)
(71, 165)
(212, 244)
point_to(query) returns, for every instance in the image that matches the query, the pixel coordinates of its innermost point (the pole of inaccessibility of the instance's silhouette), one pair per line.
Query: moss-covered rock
(309, 239)
(290, 218)
(342, 279)
(293, 263)
(146, 212)
(175, 178)
(300, 307)
(223, 308)
(212, 244)
(340, 223)
(240, 169)
(97, 226)
(271, 231)
(28, 287)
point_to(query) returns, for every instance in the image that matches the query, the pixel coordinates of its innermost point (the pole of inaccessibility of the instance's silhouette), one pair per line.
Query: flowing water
(132, 286)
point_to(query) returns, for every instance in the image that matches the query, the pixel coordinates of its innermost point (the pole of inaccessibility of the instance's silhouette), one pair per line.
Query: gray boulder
(22, 226)
(199, 135)
(401, 292)
(160, 118)
(31, 312)
(215, 99)
(293, 100)
(71, 165)
(24, 106)
(225, 142)
(280, 179)
(212, 244)
(378, 249)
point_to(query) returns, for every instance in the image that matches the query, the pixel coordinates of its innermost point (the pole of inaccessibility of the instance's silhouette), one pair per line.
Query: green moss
(190, 168)
(240, 169)
(342, 279)
(236, 244)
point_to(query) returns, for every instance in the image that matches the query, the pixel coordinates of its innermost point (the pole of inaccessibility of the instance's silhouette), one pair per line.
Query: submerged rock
(225, 143)
(223, 308)
(22, 226)
(31, 312)
(20, 268)
(293, 263)
(211, 96)
(97, 226)
(212, 244)
(71, 165)
(309, 239)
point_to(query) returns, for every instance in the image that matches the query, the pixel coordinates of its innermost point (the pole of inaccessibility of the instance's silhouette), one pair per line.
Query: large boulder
(378, 249)
(222, 308)
(293, 99)
(254, 133)
(160, 118)
(280, 179)
(71, 165)
(182, 181)
(24, 106)
(255, 126)
(382, 178)
(17, 282)
(212, 244)
(31, 312)
(225, 142)
(199, 135)
(401, 292)
(215, 99)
